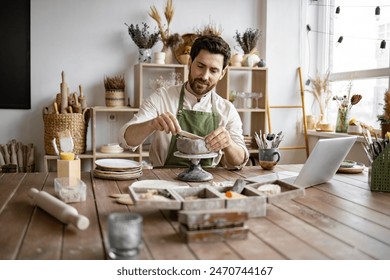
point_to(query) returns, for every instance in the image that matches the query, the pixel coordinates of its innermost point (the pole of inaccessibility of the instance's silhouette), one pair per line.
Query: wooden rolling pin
(59, 209)
(64, 94)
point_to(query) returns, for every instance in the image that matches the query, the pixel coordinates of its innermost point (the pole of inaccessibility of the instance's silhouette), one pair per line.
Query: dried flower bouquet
(141, 35)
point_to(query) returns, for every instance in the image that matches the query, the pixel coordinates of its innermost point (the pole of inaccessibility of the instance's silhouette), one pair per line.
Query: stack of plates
(117, 169)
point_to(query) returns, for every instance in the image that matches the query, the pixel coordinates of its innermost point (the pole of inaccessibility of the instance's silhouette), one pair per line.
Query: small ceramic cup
(159, 57)
(268, 158)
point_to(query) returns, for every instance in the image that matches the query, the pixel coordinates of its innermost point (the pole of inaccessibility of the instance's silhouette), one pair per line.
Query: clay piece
(191, 146)
(269, 189)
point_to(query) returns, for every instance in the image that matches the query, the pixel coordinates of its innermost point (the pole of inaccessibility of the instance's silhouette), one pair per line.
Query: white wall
(88, 40)
(284, 55)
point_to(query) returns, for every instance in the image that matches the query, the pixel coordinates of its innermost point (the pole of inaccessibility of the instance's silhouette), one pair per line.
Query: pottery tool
(19, 152)
(77, 105)
(2, 162)
(7, 158)
(190, 135)
(14, 157)
(64, 94)
(55, 106)
(238, 186)
(59, 209)
(82, 100)
(66, 141)
(258, 141)
(71, 100)
(55, 147)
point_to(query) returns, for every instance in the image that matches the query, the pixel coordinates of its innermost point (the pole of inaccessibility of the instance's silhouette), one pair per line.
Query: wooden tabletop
(341, 219)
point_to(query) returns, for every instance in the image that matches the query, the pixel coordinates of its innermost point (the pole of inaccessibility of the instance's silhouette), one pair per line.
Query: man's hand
(219, 139)
(166, 122)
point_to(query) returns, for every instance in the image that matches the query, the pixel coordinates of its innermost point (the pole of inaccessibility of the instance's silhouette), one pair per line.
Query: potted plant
(384, 118)
(345, 104)
(248, 41)
(144, 39)
(115, 91)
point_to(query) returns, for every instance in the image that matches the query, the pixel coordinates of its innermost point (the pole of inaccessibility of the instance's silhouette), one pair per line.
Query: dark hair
(212, 43)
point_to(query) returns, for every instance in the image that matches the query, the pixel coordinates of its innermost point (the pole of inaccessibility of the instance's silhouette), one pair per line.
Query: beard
(199, 86)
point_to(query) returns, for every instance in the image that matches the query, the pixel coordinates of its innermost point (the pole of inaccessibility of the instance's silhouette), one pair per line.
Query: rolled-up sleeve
(233, 124)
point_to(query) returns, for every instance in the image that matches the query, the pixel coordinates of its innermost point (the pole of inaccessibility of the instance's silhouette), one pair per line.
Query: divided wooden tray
(211, 197)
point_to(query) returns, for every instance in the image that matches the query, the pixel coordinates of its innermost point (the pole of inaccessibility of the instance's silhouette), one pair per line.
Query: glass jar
(342, 120)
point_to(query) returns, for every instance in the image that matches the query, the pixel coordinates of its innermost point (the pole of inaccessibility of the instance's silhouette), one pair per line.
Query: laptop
(321, 165)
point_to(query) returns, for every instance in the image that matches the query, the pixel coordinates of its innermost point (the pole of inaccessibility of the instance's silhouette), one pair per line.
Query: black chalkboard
(15, 78)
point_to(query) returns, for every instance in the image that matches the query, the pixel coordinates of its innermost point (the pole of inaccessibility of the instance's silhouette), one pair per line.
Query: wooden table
(341, 219)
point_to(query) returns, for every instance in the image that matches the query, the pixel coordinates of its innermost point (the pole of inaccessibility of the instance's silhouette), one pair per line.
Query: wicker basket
(380, 172)
(76, 123)
(115, 98)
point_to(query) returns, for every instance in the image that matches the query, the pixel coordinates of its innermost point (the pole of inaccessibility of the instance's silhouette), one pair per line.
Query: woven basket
(76, 123)
(115, 98)
(380, 172)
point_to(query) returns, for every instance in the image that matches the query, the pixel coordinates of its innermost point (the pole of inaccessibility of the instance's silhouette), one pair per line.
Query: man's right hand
(166, 122)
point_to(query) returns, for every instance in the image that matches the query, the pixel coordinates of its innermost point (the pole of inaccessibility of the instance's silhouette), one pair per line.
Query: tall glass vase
(343, 116)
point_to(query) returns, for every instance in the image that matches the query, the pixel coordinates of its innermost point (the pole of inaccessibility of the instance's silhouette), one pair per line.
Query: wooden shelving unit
(255, 79)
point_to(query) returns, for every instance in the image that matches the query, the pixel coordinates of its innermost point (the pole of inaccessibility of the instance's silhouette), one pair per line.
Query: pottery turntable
(195, 173)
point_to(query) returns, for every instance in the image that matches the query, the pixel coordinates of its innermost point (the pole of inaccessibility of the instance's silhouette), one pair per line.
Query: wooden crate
(213, 235)
(213, 225)
(253, 202)
(288, 191)
(208, 198)
(207, 219)
(173, 202)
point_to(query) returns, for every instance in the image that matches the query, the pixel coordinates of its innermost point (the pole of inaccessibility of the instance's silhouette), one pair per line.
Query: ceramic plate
(115, 163)
(157, 184)
(348, 164)
(120, 172)
(357, 168)
(116, 176)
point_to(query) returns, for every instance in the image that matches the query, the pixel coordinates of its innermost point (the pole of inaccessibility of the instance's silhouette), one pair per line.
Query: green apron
(197, 122)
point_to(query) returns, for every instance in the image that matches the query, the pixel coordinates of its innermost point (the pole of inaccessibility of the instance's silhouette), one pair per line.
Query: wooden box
(155, 198)
(288, 191)
(253, 202)
(68, 168)
(213, 235)
(213, 225)
(199, 198)
(208, 219)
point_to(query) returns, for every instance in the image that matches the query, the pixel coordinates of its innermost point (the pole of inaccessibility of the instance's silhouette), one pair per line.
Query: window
(358, 57)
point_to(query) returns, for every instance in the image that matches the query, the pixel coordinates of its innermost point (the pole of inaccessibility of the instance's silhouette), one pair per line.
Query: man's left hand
(217, 140)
